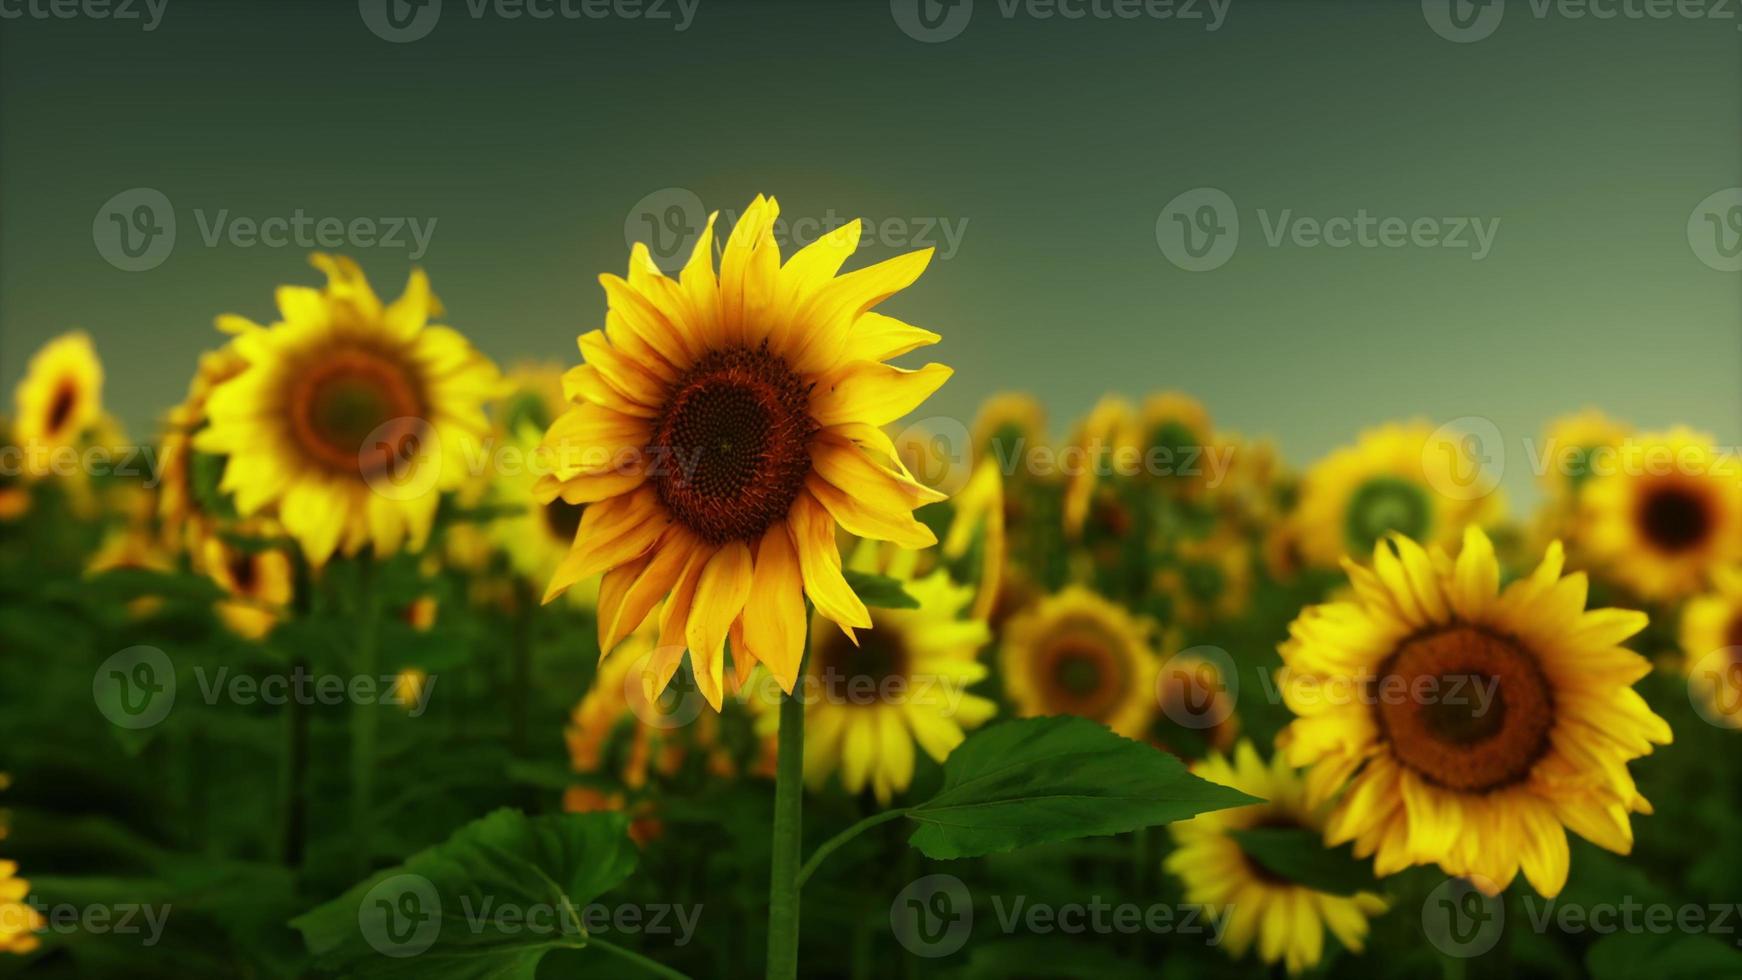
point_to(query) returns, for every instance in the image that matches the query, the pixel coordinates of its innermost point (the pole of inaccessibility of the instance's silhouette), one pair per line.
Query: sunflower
(1076, 653)
(1571, 443)
(1210, 579)
(1711, 640)
(184, 506)
(1105, 441)
(1009, 426)
(538, 536)
(1469, 724)
(725, 423)
(131, 548)
(868, 702)
(1176, 428)
(1288, 920)
(1401, 478)
(59, 400)
(1665, 513)
(15, 496)
(19, 921)
(258, 580)
(978, 526)
(1197, 709)
(342, 410)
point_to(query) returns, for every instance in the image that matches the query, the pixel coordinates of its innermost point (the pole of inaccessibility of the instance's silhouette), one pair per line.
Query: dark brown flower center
(731, 447)
(1468, 710)
(562, 519)
(60, 409)
(347, 399)
(1081, 673)
(242, 571)
(1674, 518)
(857, 674)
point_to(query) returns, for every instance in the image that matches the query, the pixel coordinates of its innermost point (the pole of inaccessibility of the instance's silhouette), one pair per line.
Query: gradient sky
(1050, 146)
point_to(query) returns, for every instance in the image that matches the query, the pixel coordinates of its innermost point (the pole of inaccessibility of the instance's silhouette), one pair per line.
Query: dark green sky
(1049, 145)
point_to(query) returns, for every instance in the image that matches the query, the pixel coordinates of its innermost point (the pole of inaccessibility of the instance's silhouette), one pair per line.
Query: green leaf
(880, 591)
(1300, 855)
(1040, 780)
(490, 901)
(1674, 956)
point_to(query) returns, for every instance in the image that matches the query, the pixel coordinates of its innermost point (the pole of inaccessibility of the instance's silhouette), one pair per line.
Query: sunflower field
(698, 656)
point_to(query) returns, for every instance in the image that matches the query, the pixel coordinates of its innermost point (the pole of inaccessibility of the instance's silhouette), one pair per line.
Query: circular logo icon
(1198, 687)
(1463, 21)
(669, 221)
(938, 452)
(1465, 458)
(933, 916)
(135, 230)
(932, 21)
(1715, 687)
(401, 916)
(401, 459)
(1715, 230)
(135, 688)
(1199, 230)
(1463, 917)
(675, 706)
(400, 21)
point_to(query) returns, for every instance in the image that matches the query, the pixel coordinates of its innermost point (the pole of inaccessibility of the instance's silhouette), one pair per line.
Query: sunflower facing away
(1009, 426)
(1287, 920)
(343, 408)
(1468, 723)
(724, 424)
(1666, 515)
(539, 536)
(1076, 653)
(1107, 438)
(904, 682)
(60, 398)
(1177, 424)
(1400, 478)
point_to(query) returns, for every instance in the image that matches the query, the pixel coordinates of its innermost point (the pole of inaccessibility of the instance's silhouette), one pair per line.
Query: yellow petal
(723, 588)
(819, 560)
(774, 623)
(876, 394)
(876, 337)
(862, 517)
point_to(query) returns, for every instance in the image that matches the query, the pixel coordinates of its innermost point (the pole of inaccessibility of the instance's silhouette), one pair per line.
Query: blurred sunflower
(1209, 579)
(726, 423)
(14, 490)
(1009, 426)
(131, 547)
(1108, 437)
(904, 682)
(59, 400)
(19, 921)
(538, 537)
(1570, 443)
(1665, 514)
(1470, 724)
(978, 526)
(258, 579)
(1075, 653)
(342, 408)
(1396, 478)
(1711, 641)
(1197, 711)
(1177, 427)
(185, 501)
(1287, 920)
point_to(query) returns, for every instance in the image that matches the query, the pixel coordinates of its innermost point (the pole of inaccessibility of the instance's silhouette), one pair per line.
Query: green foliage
(1300, 855)
(879, 591)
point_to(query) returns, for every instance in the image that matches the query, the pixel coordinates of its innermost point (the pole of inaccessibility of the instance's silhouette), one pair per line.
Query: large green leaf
(1300, 855)
(1039, 780)
(490, 901)
(1671, 956)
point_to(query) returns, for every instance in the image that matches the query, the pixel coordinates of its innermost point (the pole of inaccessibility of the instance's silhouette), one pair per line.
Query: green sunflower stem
(365, 720)
(784, 872)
